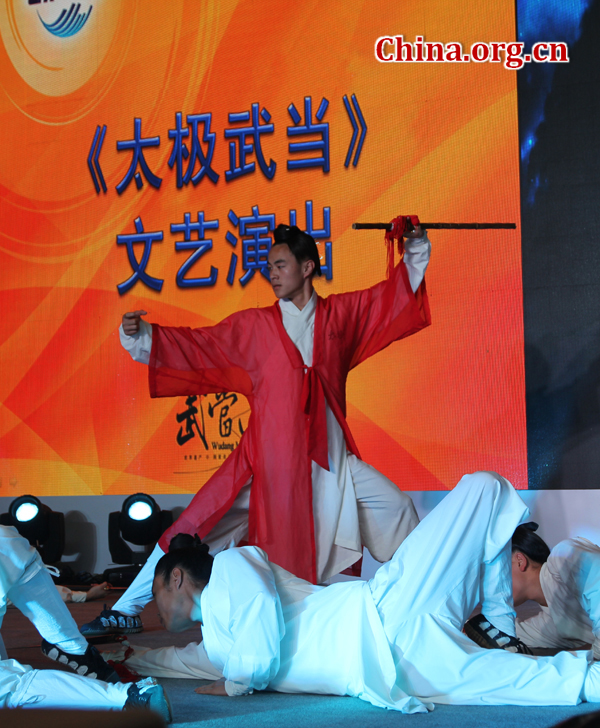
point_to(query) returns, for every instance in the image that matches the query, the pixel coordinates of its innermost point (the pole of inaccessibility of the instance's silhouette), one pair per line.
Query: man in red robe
(295, 486)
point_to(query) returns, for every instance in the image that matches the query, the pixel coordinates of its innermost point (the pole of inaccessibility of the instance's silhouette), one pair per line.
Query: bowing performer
(395, 641)
(566, 583)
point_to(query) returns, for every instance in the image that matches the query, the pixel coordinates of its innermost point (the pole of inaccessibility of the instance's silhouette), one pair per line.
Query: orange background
(442, 141)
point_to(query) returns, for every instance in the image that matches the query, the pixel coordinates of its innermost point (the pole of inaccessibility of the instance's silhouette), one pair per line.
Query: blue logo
(69, 21)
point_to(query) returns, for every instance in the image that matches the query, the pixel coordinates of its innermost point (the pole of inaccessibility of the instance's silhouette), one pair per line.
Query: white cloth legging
(40, 601)
(386, 515)
(23, 687)
(34, 593)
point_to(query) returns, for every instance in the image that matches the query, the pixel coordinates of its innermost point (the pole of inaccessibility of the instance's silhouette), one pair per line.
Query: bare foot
(97, 591)
(214, 688)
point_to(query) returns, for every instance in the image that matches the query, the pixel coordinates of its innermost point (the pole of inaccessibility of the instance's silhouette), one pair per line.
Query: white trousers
(386, 516)
(40, 601)
(457, 557)
(31, 589)
(22, 687)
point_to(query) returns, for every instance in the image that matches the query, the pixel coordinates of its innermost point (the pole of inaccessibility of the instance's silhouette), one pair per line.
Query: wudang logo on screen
(62, 21)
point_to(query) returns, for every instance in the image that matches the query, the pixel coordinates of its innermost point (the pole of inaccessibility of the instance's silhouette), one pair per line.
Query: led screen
(148, 150)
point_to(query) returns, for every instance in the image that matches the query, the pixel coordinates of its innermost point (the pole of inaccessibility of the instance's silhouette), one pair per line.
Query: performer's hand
(417, 232)
(214, 688)
(131, 322)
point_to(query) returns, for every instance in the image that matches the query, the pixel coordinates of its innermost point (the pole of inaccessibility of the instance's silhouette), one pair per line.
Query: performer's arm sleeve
(200, 361)
(591, 597)
(190, 661)
(256, 622)
(390, 310)
(540, 632)
(139, 345)
(416, 258)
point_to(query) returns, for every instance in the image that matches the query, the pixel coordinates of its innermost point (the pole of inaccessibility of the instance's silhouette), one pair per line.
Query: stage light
(140, 522)
(26, 512)
(139, 511)
(41, 526)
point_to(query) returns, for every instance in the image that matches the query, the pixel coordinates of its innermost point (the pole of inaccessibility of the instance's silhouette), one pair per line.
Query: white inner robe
(335, 511)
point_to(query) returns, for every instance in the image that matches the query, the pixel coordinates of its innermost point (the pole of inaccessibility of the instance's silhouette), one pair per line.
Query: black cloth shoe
(112, 622)
(150, 695)
(90, 664)
(483, 633)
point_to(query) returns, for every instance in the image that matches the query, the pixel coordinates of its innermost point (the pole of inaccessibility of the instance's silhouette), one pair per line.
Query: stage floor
(266, 710)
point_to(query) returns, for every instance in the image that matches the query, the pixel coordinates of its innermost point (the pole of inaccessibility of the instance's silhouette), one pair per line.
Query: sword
(440, 226)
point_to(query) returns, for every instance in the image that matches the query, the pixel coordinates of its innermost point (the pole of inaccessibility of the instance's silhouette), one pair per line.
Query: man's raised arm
(394, 308)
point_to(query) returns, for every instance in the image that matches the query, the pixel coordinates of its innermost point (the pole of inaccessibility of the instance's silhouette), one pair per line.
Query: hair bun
(187, 541)
(531, 526)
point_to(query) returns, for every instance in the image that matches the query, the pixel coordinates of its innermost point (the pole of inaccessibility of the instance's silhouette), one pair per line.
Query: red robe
(251, 353)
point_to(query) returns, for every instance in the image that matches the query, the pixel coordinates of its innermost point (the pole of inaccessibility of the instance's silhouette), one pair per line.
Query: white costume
(24, 580)
(395, 641)
(190, 661)
(570, 580)
(66, 594)
(353, 504)
(23, 687)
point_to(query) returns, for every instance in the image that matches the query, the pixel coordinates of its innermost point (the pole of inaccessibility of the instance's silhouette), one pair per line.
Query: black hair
(188, 553)
(301, 244)
(526, 540)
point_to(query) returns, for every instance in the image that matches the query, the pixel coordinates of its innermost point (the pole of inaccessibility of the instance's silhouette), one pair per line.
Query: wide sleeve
(539, 632)
(377, 316)
(590, 594)
(190, 661)
(219, 358)
(255, 620)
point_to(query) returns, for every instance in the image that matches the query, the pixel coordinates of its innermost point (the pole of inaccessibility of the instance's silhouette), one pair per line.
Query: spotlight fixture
(41, 526)
(140, 522)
